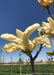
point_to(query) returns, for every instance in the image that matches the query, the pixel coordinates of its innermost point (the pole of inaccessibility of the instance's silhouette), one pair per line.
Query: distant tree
(20, 61)
(41, 61)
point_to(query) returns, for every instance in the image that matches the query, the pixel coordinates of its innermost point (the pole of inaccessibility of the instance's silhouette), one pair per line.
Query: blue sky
(19, 14)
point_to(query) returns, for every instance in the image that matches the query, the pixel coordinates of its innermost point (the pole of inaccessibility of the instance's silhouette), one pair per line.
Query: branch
(37, 52)
(50, 13)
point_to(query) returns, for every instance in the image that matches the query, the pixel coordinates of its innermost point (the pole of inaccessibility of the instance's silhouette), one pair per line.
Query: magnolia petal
(48, 47)
(44, 24)
(46, 2)
(39, 34)
(39, 1)
(28, 45)
(43, 40)
(50, 1)
(30, 30)
(52, 32)
(51, 22)
(11, 47)
(52, 42)
(35, 43)
(8, 37)
(43, 30)
(43, 8)
(11, 37)
(46, 29)
(19, 33)
(39, 29)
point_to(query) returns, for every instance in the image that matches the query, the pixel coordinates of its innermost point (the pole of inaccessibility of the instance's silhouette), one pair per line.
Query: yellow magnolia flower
(46, 3)
(47, 28)
(22, 42)
(43, 40)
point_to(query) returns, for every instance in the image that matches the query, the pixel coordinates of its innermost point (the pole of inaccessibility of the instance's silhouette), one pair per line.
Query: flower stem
(32, 66)
(38, 52)
(33, 59)
(50, 13)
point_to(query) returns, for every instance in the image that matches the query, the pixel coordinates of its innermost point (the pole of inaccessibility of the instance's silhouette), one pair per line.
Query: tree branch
(37, 52)
(50, 13)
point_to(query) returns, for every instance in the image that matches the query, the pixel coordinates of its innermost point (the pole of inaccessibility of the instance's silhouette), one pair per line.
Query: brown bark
(33, 59)
(50, 13)
(38, 52)
(32, 66)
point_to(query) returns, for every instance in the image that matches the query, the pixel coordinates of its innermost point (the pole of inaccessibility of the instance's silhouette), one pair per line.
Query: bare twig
(50, 13)
(37, 52)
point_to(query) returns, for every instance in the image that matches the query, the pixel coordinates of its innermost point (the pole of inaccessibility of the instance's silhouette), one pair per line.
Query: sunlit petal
(19, 33)
(28, 45)
(43, 40)
(11, 47)
(52, 42)
(11, 37)
(44, 24)
(30, 30)
(46, 2)
(51, 22)
(8, 37)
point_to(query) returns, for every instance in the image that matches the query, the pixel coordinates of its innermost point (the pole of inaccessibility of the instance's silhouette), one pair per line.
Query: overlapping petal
(22, 41)
(30, 30)
(19, 33)
(43, 40)
(11, 47)
(46, 2)
(52, 42)
(28, 45)
(11, 37)
(44, 24)
(51, 22)
(48, 27)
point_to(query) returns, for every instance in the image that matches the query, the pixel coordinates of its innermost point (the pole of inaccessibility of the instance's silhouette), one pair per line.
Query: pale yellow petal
(52, 32)
(46, 2)
(35, 43)
(43, 40)
(30, 30)
(44, 24)
(28, 45)
(39, 29)
(19, 33)
(8, 37)
(39, 1)
(11, 37)
(51, 22)
(11, 47)
(39, 34)
(48, 47)
(46, 29)
(52, 42)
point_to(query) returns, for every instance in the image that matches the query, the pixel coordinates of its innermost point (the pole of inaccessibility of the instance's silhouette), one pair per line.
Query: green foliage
(20, 61)
(50, 53)
(49, 68)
